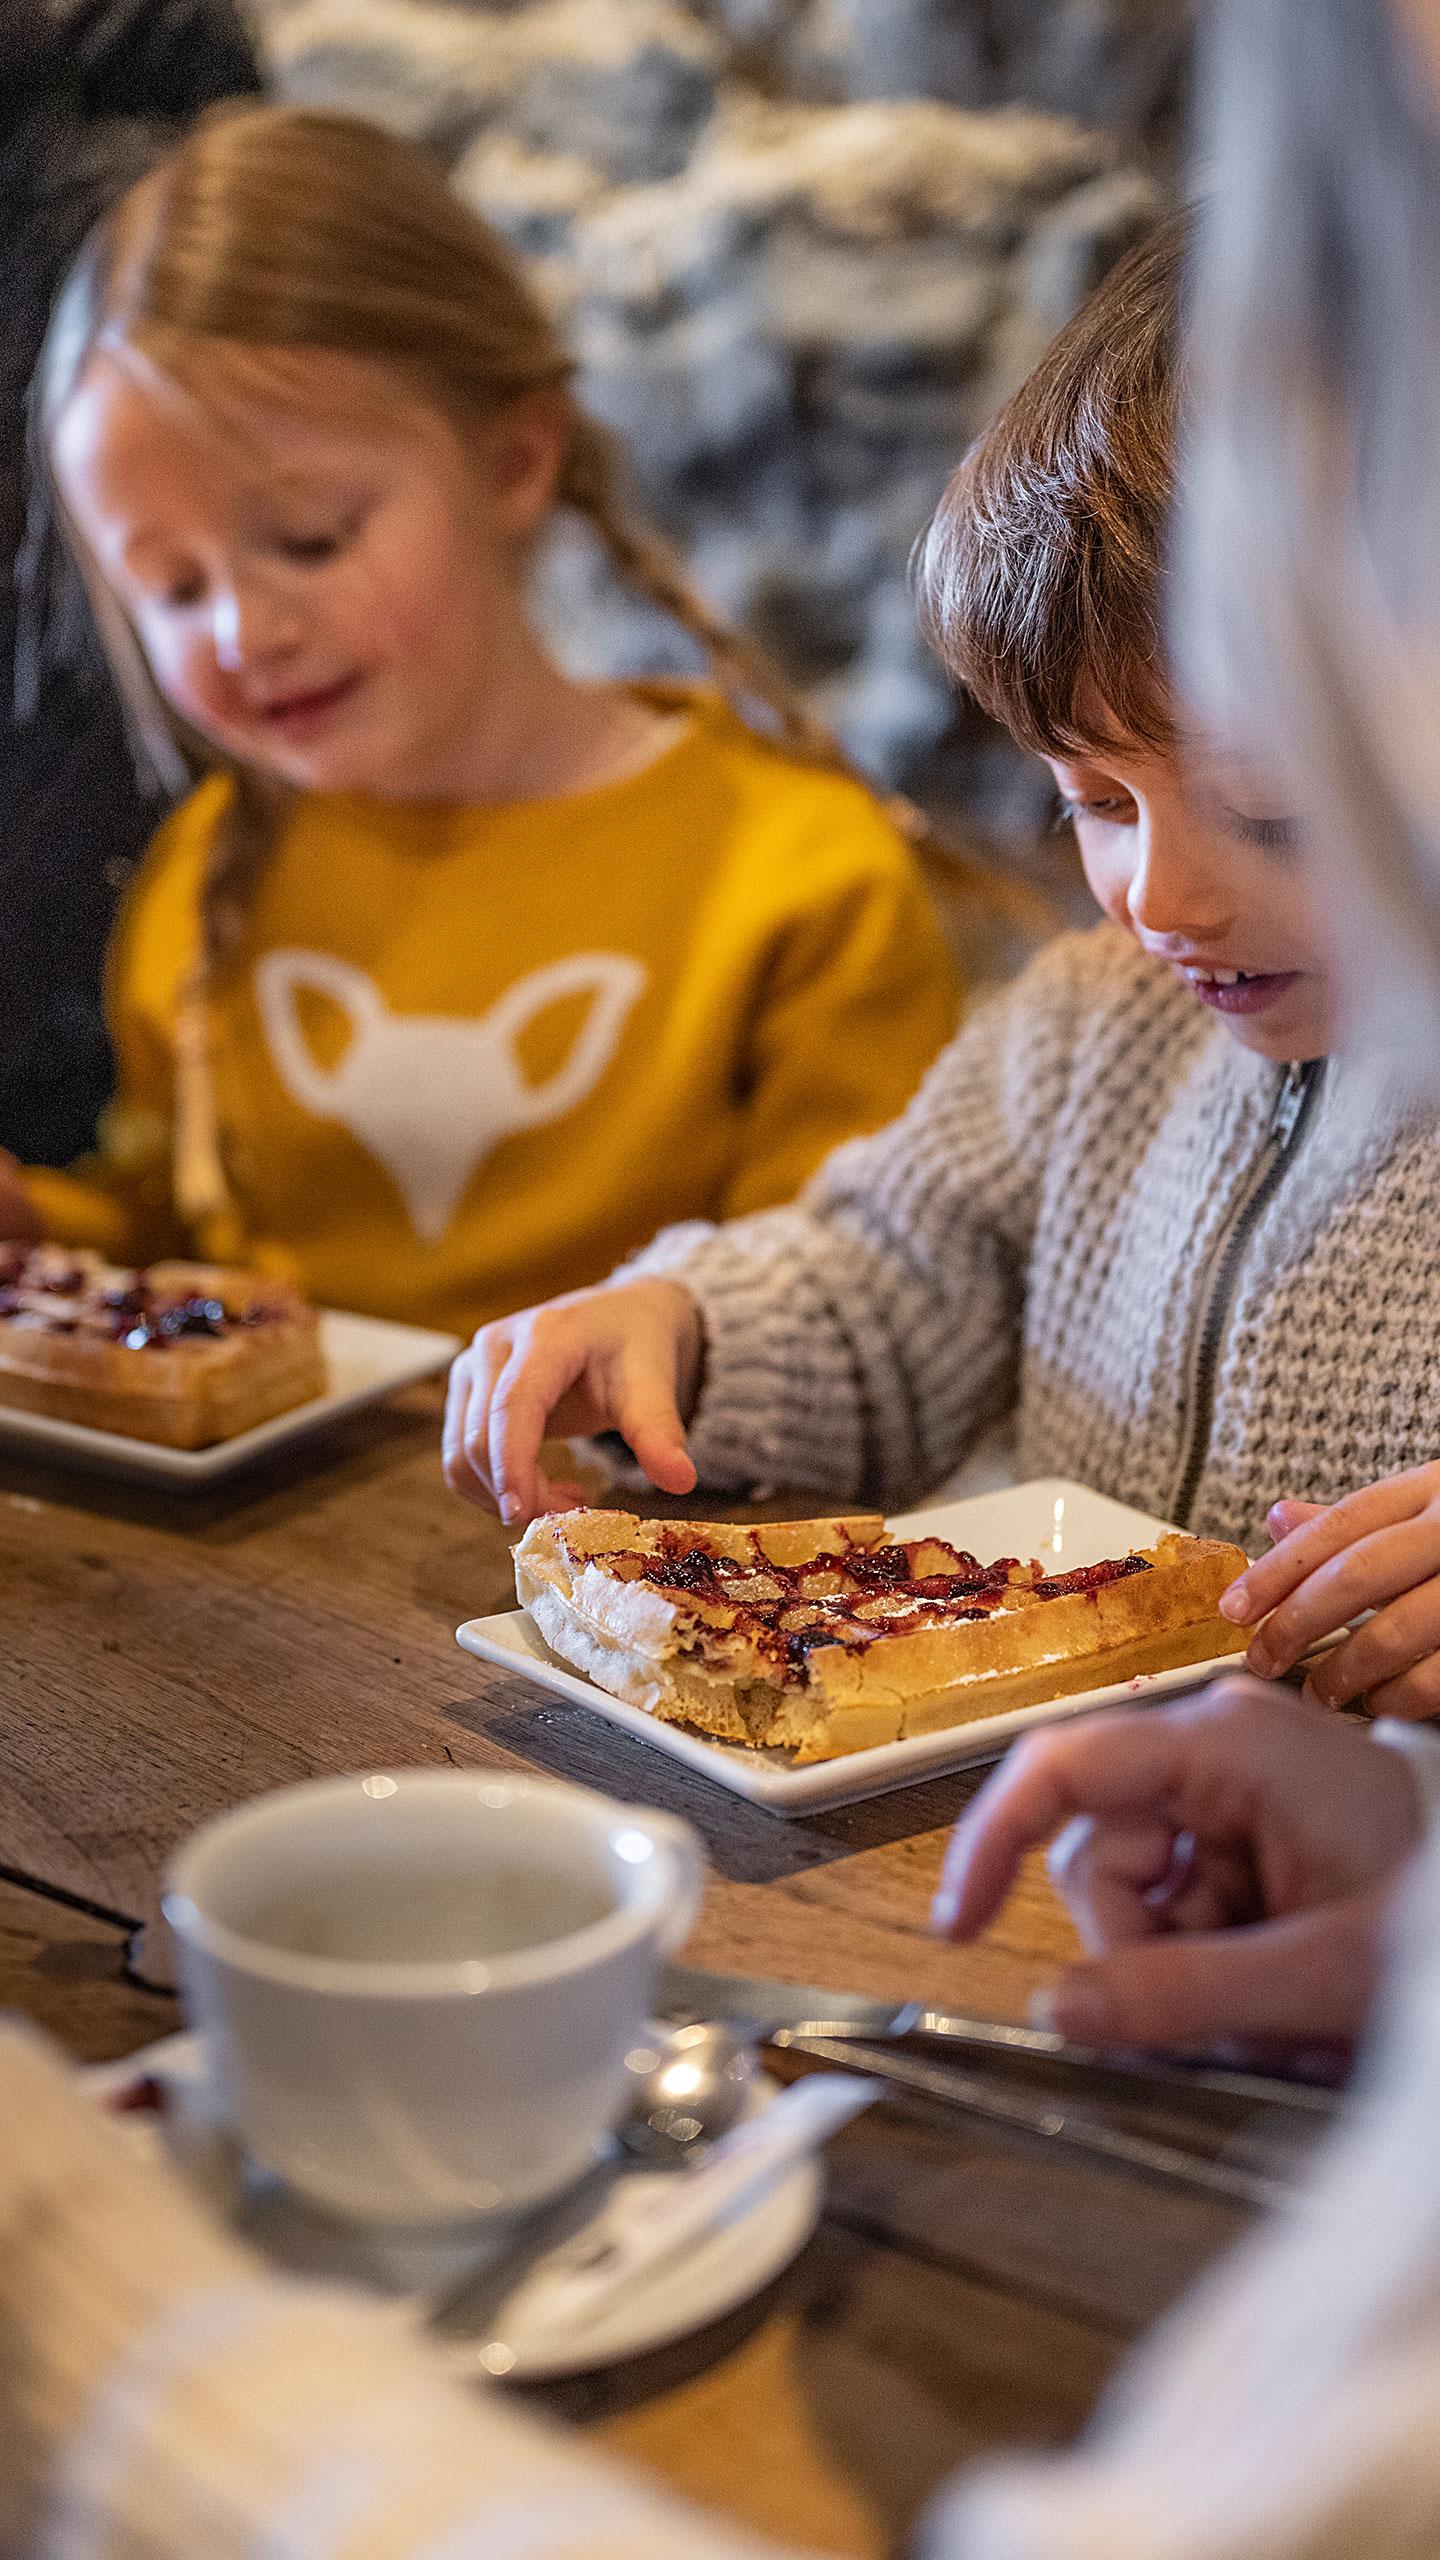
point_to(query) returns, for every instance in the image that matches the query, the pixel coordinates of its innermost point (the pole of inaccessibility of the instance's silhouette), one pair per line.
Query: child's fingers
(1217, 1890)
(1121, 1766)
(1389, 1646)
(1109, 1873)
(542, 1367)
(1123, 1881)
(1414, 1697)
(1375, 1570)
(453, 1462)
(1308, 1976)
(1284, 1517)
(463, 1448)
(647, 1415)
(462, 1437)
(1252, 1595)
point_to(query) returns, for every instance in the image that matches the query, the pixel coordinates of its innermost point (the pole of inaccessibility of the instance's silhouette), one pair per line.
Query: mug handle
(687, 1869)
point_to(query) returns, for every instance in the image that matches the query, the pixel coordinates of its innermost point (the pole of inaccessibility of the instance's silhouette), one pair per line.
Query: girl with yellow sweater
(455, 977)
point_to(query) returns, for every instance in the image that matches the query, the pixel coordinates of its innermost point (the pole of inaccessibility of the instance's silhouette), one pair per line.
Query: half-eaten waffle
(818, 1637)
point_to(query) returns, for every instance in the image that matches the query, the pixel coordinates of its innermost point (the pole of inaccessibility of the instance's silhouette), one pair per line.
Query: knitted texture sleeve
(164, 2395)
(857, 1341)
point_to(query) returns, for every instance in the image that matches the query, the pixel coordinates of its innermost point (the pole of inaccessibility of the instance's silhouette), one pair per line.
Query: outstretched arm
(851, 1343)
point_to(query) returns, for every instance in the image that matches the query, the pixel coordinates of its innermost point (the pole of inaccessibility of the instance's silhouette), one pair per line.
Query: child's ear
(524, 453)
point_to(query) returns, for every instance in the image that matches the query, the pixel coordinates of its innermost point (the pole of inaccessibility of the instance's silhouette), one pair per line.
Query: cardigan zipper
(1293, 1104)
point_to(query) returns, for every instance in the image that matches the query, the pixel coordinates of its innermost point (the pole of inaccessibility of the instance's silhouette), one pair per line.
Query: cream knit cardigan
(1043, 1232)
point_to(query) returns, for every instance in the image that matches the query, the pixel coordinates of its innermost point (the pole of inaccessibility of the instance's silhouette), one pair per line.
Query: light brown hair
(284, 231)
(1040, 578)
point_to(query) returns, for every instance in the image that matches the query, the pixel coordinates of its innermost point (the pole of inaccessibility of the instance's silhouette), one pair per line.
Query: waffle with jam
(184, 1353)
(817, 1637)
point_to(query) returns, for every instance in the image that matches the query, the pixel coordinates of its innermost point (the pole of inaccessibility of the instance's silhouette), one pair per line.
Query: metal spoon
(691, 2084)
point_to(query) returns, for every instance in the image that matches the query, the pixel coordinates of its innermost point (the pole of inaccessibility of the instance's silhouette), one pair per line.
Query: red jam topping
(847, 1596)
(1090, 1578)
(40, 1288)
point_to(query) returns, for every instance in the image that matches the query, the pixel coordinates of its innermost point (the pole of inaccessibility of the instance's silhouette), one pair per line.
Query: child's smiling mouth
(298, 713)
(1239, 990)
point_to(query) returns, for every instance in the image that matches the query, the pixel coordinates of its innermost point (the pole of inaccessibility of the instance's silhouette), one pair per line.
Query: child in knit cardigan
(1137, 1206)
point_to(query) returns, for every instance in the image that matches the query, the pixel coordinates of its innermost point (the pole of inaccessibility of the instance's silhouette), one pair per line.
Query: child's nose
(1174, 888)
(251, 623)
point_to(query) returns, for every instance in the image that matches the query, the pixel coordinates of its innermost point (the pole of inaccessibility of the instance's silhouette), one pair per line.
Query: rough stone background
(802, 249)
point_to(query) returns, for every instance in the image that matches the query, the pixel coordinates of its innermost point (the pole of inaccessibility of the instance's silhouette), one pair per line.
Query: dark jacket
(91, 91)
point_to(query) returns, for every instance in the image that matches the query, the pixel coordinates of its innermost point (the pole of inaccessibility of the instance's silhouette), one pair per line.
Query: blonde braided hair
(271, 233)
(593, 484)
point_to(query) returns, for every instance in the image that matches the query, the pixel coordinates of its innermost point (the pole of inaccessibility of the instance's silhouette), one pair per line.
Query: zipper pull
(1289, 1100)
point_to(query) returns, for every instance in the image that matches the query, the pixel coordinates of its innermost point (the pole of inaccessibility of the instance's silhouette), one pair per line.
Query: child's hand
(19, 1218)
(1378, 1549)
(1228, 1862)
(625, 1358)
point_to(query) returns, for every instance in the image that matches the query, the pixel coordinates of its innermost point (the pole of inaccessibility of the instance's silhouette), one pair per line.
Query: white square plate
(1049, 1518)
(365, 1358)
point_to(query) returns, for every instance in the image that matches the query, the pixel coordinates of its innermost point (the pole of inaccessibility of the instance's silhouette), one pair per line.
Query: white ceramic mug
(418, 1988)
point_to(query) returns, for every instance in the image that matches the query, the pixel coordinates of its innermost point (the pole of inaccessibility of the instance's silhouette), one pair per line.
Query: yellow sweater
(470, 1056)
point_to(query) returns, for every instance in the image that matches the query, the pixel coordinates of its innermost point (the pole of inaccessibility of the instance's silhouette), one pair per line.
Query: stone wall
(1118, 62)
(802, 248)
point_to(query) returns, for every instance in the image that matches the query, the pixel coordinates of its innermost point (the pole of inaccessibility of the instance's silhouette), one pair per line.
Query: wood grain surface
(65, 1970)
(165, 1655)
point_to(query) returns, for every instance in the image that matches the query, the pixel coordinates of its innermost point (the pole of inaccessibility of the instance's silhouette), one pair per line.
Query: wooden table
(162, 1656)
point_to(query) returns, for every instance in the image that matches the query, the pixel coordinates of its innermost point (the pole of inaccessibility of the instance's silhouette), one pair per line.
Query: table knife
(781, 2012)
(1035, 2112)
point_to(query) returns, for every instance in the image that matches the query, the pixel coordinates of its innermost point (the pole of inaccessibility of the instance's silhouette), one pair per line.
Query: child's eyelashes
(306, 550)
(312, 545)
(1118, 810)
(1276, 835)
(309, 549)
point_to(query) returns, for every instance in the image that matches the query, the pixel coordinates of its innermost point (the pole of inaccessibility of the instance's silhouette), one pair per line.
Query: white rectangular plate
(365, 1358)
(1050, 1518)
